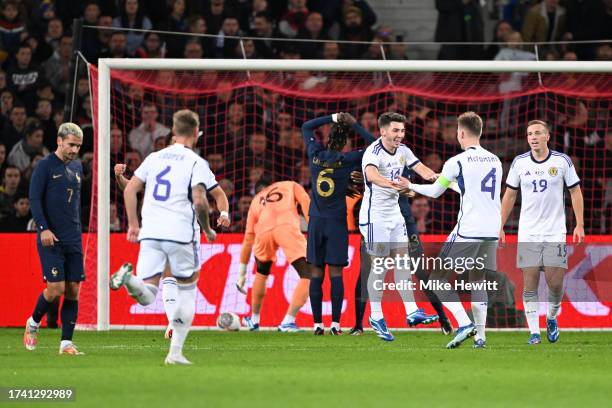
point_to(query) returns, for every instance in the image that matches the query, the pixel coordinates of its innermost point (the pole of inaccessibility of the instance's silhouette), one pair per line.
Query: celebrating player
(273, 222)
(170, 232)
(380, 220)
(478, 174)
(541, 174)
(327, 229)
(55, 196)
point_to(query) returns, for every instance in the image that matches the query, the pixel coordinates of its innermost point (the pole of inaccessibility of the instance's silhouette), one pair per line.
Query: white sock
(32, 323)
(554, 304)
(183, 317)
(288, 319)
(319, 326)
(457, 310)
(144, 293)
(170, 297)
(376, 310)
(403, 276)
(255, 318)
(479, 309)
(532, 306)
(335, 325)
(65, 343)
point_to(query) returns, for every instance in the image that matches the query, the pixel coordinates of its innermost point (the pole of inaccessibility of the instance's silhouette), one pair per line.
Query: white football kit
(542, 217)
(478, 174)
(170, 231)
(380, 220)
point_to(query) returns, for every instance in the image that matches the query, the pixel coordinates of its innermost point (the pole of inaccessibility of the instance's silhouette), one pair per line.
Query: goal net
(250, 122)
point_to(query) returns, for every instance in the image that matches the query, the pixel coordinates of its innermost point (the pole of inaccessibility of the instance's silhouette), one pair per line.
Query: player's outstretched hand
(502, 238)
(132, 234)
(47, 238)
(578, 235)
(120, 169)
(357, 177)
(223, 221)
(211, 235)
(404, 182)
(347, 118)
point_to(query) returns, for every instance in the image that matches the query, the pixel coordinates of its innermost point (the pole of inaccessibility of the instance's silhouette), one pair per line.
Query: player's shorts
(327, 241)
(287, 237)
(183, 259)
(61, 263)
(541, 250)
(469, 253)
(384, 235)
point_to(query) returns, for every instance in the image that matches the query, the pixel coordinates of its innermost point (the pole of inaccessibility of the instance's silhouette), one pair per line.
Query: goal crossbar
(104, 109)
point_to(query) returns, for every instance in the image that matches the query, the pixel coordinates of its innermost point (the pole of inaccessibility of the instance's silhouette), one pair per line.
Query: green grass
(125, 368)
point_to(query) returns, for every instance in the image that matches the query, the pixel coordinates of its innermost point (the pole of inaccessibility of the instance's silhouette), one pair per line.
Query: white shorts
(384, 235)
(541, 250)
(469, 253)
(184, 259)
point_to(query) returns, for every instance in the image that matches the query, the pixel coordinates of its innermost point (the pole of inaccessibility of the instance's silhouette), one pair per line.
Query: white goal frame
(104, 113)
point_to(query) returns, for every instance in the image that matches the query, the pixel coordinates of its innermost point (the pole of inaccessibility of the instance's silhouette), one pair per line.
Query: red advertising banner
(587, 303)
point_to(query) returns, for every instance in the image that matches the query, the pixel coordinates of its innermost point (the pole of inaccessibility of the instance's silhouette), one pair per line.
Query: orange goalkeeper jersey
(277, 205)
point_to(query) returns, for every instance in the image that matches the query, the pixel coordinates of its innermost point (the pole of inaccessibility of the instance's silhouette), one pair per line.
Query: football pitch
(125, 368)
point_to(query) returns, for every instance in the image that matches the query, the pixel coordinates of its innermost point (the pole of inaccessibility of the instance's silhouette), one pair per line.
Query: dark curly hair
(338, 134)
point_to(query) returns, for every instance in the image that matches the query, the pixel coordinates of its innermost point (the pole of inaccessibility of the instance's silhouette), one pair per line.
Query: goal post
(105, 66)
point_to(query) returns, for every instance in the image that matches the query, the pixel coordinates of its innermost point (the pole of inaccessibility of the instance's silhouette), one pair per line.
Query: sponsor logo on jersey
(528, 173)
(553, 171)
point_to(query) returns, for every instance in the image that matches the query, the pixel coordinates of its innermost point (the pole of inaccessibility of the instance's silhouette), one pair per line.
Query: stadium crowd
(250, 133)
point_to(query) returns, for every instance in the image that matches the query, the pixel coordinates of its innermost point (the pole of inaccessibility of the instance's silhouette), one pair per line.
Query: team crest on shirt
(380, 247)
(402, 161)
(553, 171)
(54, 271)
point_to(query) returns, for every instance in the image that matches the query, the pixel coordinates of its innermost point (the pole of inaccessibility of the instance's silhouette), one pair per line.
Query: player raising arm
(170, 232)
(478, 174)
(541, 175)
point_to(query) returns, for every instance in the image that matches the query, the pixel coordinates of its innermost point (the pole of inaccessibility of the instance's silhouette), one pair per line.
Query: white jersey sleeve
(571, 177)
(409, 157)
(513, 180)
(450, 170)
(370, 158)
(203, 175)
(143, 170)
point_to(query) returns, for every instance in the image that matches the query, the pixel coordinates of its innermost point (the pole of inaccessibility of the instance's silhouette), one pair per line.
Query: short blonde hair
(185, 122)
(471, 122)
(69, 128)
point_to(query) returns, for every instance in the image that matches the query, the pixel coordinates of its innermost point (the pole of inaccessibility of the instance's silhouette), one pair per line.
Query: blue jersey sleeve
(308, 129)
(367, 136)
(38, 185)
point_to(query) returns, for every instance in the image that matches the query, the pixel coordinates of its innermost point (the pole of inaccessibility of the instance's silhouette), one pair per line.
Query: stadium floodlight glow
(105, 65)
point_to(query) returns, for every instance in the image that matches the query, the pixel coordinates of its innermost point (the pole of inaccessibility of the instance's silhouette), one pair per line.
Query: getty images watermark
(406, 263)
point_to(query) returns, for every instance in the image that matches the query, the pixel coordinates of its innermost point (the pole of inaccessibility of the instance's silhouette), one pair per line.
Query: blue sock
(316, 299)
(41, 308)
(70, 310)
(337, 296)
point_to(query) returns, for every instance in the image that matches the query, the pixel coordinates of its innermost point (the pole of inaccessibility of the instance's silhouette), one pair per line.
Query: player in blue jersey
(55, 196)
(327, 229)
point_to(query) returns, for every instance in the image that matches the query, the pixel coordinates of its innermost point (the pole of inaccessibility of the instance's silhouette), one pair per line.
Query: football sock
(144, 293)
(169, 295)
(68, 314)
(300, 296)
(431, 296)
(255, 318)
(403, 277)
(361, 300)
(335, 325)
(42, 306)
(376, 310)
(479, 309)
(53, 313)
(288, 319)
(258, 291)
(316, 299)
(450, 300)
(318, 326)
(531, 306)
(337, 296)
(185, 310)
(554, 303)
(375, 295)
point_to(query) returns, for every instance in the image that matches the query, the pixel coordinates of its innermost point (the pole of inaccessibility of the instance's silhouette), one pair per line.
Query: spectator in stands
(7, 99)
(502, 28)
(375, 50)
(41, 51)
(178, 22)
(20, 216)
(57, 68)
(22, 153)
(143, 137)
(55, 31)
(117, 46)
(193, 49)
(421, 212)
(434, 162)
(160, 143)
(250, 52)
(12, 24)
(117, 145)
(332, 11)
(544, 22)
(2, 157)
(240, 216)
(228, 188)
(399, 49)
(459, 21)
(331, 51)
(216, 162)
(132, 16)
(353, 29)
(294, 19)
(114, 220)
(9, 189)
(603, 52)
(152, 47)
(97, 43)
(247, 20)
(216, 14)
(133, 160)
(313, 30)
(513, 49)
(264, 27)
(24, 77)
(3, 82)
(13, 130)
(369, 122)
(225, 46)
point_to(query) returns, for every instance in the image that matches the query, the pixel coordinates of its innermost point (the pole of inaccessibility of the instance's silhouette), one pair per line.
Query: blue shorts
(61, 263)
(327, 242)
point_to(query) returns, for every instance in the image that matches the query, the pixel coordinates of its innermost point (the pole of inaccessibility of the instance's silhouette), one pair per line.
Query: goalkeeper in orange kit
(272, 222)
